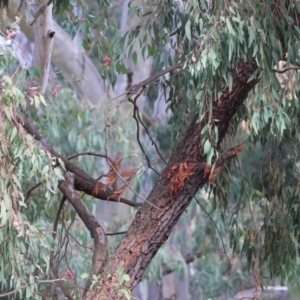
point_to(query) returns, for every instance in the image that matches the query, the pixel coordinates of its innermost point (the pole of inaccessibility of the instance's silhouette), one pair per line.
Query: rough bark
(152, 226)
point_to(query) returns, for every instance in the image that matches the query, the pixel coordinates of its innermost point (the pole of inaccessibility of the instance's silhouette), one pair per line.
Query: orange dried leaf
(96, 189)
(128, 173)
(185, 170)
(207, 170)
(239, 148)
(114, 173)
(118, 193)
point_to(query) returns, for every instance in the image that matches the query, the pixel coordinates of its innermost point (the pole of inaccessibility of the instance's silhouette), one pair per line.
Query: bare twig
(135, 116)
(115, 233)
(219, 233)
(40, 11)
(286, 70)
(147, 131)
(63, 288)
(54, 232)
(69, 233)
(27, 194)
(92, 153)
(110, 163)
(52, 256)
(29, 284)
(136, 87)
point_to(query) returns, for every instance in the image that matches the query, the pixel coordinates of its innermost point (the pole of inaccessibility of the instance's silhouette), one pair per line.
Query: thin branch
(138, 119)
(187, 258)
(52, 256)
(96, 230)
(40, 11)
(135, 114)
(136, 87)
(54, 232)
(80, 243)
(27, 194)
(151, 139)
(286, 70)
(86, 153)
(219, 233)
(115, 233)
(65, 291)
(252, 298)
(29, 284)
(110, 163)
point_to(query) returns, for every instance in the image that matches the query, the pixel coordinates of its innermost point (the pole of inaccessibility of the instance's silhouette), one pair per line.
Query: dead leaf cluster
(114, 174)
(178, 175)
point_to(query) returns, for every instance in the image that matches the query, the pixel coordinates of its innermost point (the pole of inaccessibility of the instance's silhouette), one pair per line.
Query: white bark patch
(44, 36)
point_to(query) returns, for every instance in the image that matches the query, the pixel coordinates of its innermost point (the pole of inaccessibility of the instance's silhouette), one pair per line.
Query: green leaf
(45, 170)
(207, 146)
(255, 122)
(58, 172)
(7, 79)
(120, 271)
(43, 100)
(187, 29)
(134, 57)
(84, 275)
(229, 26)
(13, 134)
(259, 193)
(126, 277)
(126, 293)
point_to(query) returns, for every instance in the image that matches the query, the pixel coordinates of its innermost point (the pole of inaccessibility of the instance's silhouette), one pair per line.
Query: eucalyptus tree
(224, 61)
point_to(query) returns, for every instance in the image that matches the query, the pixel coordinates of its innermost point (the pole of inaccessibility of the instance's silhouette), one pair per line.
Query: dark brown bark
(152, 226)
(92, 224)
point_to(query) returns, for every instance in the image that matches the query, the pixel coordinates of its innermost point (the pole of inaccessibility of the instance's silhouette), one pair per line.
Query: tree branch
(96, 230)
(83, 181)
(92, 153)
(136, 87)
(54, 231)
(115, 233)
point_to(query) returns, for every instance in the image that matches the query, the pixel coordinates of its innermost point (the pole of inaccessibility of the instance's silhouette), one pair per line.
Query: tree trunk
(73, 63)
(185, 173)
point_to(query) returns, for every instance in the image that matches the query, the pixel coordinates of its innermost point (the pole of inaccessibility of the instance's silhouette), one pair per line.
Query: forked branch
(83, 181)
(96, 230)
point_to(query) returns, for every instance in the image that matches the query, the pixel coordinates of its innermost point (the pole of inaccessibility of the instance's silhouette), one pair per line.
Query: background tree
(216, 65)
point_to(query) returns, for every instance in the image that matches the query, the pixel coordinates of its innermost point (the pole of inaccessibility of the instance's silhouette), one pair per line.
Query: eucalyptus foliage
(256, 197)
